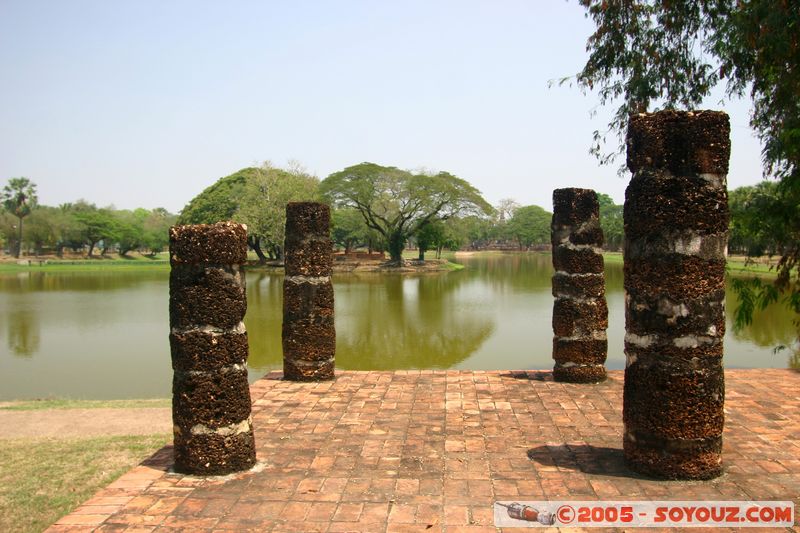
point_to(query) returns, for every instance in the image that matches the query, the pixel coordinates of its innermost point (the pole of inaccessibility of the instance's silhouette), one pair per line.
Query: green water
(104, 334)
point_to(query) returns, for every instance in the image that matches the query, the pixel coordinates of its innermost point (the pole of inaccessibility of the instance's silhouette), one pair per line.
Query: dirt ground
(66, 423)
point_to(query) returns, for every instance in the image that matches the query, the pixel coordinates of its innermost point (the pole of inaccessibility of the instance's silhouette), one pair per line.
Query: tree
(220, 201)
(42, 229)
(69, 229)
(8, 229)
(95, 225)
(431, 235)
(505, 209)
(130, 230)
(646, 54)
(348, 228)
(263, 206)
(476, 230)
(397, 204)
(19, 198)
(611, 222)
(155, 226)
(530, 225)
(256, 197)
(750, 231)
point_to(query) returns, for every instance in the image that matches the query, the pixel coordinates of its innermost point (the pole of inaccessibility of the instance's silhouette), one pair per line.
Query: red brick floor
(432, 450)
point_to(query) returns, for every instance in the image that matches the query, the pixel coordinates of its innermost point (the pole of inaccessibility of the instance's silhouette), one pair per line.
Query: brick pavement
(432, 450)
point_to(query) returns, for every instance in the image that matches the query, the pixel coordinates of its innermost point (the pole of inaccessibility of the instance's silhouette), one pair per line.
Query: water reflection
(84, 335)
(23, 333)
(771, 327)
(95, 281)
(506, 272)
(105, 334)
(382, 322)
(391, 322)
(263, 321)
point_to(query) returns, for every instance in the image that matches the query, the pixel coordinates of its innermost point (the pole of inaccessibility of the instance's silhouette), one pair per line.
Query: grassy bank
(734, 264)
(454, 267)
(742, 264)
(55, 264)
(41, 480)
(64, 403)
(161, 261)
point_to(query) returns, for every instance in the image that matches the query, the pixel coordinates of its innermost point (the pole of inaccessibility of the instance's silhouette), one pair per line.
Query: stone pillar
(309, 335)
(213, 432)
(580, 313)
(676, 231)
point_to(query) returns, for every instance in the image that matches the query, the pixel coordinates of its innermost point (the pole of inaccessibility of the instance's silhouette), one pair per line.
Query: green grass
(734, 265)
(41, 480)
(88, 266)
(740, 265)
(454, 267)
(135, 261)
(66, 403)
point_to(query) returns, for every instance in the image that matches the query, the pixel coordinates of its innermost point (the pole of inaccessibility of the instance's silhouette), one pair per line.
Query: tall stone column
(213, 432)
(580, 313)
(676, 231)
(309, 335)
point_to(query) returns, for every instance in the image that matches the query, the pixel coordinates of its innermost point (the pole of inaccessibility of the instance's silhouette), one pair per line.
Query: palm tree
(19, 197)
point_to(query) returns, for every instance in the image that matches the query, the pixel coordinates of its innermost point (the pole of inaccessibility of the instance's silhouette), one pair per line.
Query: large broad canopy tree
(263, 207)
(646, 55)
(19, 198)
(257, 197)
(397, 203)
(219, 201)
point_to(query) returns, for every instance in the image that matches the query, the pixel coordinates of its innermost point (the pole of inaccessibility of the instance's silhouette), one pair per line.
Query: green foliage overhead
(651, 54)
(647, 54)
(397, 204)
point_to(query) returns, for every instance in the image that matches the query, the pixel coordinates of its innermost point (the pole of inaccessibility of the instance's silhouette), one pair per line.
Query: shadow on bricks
(593, 460)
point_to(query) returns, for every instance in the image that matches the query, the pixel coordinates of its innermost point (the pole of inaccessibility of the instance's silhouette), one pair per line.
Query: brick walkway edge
(432, 450)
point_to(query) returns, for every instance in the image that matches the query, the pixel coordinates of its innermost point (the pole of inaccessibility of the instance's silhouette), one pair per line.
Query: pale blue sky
(145, 103)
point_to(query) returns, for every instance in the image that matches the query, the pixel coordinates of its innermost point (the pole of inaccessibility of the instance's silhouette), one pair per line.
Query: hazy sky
(144, 103)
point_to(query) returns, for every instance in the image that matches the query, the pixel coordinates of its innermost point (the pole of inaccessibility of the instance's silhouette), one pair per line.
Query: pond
(103, 335)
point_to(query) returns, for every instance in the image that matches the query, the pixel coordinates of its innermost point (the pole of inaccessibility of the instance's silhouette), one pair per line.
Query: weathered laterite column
(210, 395)
(676, 224)
(309, 336)
(580, 313)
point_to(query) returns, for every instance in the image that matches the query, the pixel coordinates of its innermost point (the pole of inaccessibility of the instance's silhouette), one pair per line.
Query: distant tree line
(79, 227)
(370, 204)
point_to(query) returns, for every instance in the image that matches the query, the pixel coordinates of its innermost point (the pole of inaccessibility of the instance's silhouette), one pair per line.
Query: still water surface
(104, 334)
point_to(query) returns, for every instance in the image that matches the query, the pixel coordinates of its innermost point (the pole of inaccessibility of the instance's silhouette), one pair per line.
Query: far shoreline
(760, 266)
